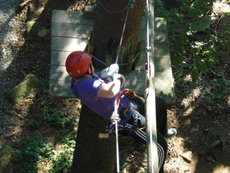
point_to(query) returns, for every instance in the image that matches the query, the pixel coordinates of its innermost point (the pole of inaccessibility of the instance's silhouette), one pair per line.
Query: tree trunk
(110, 18)
(93, 154)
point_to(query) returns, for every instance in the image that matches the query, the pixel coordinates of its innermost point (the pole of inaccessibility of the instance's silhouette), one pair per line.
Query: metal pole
(150, 93)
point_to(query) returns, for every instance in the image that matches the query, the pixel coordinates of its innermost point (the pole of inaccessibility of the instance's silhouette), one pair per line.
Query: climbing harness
(115, 119)
(126, 114)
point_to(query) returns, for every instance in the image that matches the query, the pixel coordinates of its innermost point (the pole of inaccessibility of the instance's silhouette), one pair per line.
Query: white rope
(117, 147)
(153, 155)
(115, 116)
(123, 30)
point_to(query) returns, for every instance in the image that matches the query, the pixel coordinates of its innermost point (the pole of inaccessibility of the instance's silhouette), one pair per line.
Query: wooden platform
(70, 32)
(164, 81)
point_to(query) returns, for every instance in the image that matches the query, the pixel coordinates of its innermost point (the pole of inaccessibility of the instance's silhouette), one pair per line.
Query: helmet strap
(91, 69)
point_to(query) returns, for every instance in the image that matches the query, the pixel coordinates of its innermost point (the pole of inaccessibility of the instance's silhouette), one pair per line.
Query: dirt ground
(202, 144)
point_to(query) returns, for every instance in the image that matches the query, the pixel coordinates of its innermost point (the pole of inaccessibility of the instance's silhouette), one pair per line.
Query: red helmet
(77, 63)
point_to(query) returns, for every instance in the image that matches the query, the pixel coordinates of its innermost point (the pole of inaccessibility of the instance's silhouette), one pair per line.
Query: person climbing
(99, 92)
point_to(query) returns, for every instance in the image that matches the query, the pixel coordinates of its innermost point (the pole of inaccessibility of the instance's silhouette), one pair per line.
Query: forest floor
(202, 144)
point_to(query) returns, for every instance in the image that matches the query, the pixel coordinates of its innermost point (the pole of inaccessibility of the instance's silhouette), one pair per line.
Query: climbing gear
(97, 59)
(115, 116)
(78, 63)
(115, 119)
(120, 77)
(109, 71)
(150, 94)
(170, 133)
(131, 120)
(130, 5)
(131, 94)
(110, 128)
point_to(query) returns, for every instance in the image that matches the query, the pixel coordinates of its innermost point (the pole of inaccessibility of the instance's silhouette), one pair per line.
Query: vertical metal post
(150, 107)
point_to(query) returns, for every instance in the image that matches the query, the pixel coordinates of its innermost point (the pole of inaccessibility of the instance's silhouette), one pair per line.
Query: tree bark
(110, 18)
(93, 154)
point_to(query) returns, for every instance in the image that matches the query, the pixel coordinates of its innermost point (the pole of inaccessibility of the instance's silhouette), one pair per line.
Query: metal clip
(148, 48)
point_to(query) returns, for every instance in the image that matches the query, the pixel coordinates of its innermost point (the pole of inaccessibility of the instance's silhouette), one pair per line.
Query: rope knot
(115, 117)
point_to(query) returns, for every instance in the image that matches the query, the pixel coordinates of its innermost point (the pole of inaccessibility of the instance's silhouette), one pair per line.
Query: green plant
(49, 116)
(31, 85)
(28, 156)
(63, 161)
(34, 151)
(190, 50)
(196, 47)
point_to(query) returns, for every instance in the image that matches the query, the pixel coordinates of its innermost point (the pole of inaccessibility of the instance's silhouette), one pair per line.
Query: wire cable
(122, 36)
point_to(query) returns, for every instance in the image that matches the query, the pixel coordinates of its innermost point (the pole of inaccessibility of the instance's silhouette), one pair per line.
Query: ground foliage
(42, 136)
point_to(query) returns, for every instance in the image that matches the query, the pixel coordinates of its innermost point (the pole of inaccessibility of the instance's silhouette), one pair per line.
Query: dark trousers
(161, 117)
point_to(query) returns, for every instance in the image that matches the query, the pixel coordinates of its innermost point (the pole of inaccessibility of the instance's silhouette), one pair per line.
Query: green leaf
(201, 25)
(195, 75)
(202, 66)
(43, 32)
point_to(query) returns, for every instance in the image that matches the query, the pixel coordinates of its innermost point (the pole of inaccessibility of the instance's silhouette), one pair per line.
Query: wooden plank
(68, 44)
(59, 57)
(164, 81)
(164, 88)
(161, 54)
(161, 38)
(60, 88)
(58, 72)
(71, 30)
(72, 17)
(66, 25)
(160, 25)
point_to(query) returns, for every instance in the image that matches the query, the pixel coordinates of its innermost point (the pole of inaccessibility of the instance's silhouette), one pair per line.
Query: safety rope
(148, 47)
(97, 59)
(115, 116)
(130, 4)
(150, 94)
(115, 119)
